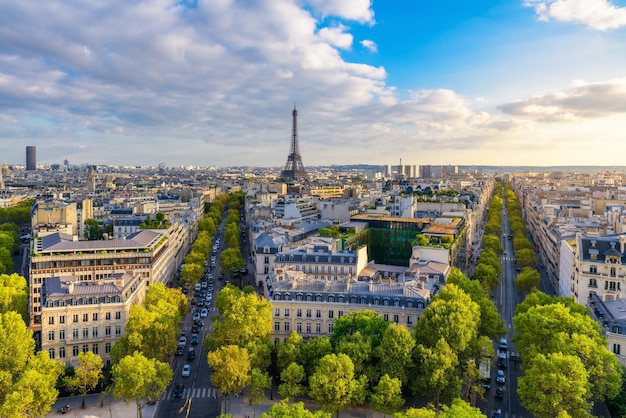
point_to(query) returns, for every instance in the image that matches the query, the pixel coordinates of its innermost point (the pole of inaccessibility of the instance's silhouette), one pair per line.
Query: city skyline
(523, 82)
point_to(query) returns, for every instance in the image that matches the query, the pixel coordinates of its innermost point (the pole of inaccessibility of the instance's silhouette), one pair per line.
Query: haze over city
(522, 82)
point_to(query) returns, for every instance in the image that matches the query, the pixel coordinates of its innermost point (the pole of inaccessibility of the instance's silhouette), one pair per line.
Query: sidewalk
(111, 408)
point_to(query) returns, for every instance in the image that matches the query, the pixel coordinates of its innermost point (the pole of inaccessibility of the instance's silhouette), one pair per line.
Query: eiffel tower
(294, 169)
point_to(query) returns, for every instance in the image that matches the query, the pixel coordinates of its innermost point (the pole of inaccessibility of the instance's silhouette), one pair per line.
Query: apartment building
(611, 315)
(79, 316)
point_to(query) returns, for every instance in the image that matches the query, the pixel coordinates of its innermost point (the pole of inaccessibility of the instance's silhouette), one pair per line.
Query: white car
(182, 341)
(186, 370)
(204, 313)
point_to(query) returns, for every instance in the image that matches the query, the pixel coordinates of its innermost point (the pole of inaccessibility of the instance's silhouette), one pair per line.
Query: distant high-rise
(294, 169)
(31, 157)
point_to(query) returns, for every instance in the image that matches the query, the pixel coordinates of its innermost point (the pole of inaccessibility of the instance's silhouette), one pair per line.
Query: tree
(191, 273)
(16, 347)
(453, 316)
(367, 322)
(93, 230)
(158, 292)
(333, 385)
(492, 242)
(138, 378)
(289, 351)
(283, 409)
(358, 348)
(486, 276)
(207, 224)
(231, 260)
(525, 258)
(259, 381)
(387, 396)
(231, 368)
(395, 352)
(472, 378)
(14, 294)
(527, 280)
(293, 377)
(555, 383)
(86, 375)
(436, 375)
(313, 351)
(5, 260)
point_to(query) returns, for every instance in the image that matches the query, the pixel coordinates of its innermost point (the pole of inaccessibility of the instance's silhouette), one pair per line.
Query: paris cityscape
(312, 209)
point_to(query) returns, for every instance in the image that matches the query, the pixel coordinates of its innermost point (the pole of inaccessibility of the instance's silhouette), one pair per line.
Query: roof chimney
(70, 287)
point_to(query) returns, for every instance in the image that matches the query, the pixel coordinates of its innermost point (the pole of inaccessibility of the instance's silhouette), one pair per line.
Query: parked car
(502, 360)
(204, 313)
(199, 322)
(497, 413)
(195, 328)
(499, 393)
(504, 345)
(179, 350)
(178, 391)
(195, 340)
(191, 354)
(196, 316)
(182, 341)
(186, 370)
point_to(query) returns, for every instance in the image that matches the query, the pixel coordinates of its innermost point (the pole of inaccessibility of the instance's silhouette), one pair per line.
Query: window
(107, 331)
(61, 319)
(95, 318)
(61, 352)
(318, 313)
(75, 351)
(118, 330)
(386, 317)
(118, 315)
(286, 312)
(612, 271)
(51, 320)
(107, 348)
(593, 269)
(331, 327)
(299, 313)
(94, 333)
(340, 314)
(331, 314)
(612, 286)
(396, 318)
(308, 313)
(107, 316)
(617, 349)
(318, 328)
(50, 335)
(277, 312)
(95, 349)
(286, 326)
(617, 329)
(85, 348)
(593, 283)
(409, 319)
(299, 327)
(51, 352)
(276, 326)
(75, 333)
(85, 333)
(75, 318)
(85, 317)
(61, 334)
(308, 327)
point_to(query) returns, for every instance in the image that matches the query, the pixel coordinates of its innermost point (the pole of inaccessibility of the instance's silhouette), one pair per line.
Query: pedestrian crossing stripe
(196, 393)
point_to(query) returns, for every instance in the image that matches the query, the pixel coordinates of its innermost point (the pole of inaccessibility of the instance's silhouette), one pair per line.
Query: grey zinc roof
(139, 240)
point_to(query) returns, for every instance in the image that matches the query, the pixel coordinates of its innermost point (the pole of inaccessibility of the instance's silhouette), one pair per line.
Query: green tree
(436, 372)
(395, 352)
(16, 347)
(292, 377)
(138, 378)
(472, 378)
(86, 375)
(527, 280)
(387, 395)
(259, 382)
(93, 230)
(313, 351)
(333, 384)
(191, 273)
(486, 276)
(158, 292)
(283, 409)
(231, 369)
(207, 224)
(555, 383)
(231, 260)
(492, 242)
(289, 351)
(14, 294)
(358, 348)
(525, 258)
(5, 260)
(367, 322)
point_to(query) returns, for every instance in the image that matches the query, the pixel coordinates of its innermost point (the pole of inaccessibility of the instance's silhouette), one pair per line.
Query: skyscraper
(31, 157)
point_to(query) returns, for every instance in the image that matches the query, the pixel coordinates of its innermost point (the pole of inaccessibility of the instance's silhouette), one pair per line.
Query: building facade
(31, 157)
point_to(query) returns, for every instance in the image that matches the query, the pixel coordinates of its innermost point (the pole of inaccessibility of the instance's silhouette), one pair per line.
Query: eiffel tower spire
(294, 169)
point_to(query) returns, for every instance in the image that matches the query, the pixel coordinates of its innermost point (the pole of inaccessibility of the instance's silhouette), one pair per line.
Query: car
(191, 354)
(497, 413)
(207, 303)
(178, 391)
(186, 371)
(195, 340)
(504, 253)
(504, 345)
(502, 362)
(499, 393)
(179, 351)
(199, 322)
(199, 303)
(196, 316)
(212, 264)
(499, 376)
(204, 313)
(195, 329)
(182, 341)
(204, 285)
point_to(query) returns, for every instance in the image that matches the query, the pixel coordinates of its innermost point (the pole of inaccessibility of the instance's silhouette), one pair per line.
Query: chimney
(70, 287)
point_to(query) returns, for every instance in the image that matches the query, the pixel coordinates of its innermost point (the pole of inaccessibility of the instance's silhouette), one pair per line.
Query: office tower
(294, 169)
(31, 157)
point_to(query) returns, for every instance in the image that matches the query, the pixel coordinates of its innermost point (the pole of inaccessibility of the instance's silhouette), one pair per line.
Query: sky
(214, 82)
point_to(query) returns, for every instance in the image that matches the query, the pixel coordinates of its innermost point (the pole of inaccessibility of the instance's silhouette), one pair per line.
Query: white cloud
(581, 101)
(357, 10)
(336, 36)
(369, 45)
(596, 14)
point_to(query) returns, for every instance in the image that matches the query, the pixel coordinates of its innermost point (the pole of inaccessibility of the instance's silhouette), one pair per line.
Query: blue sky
(213, 82)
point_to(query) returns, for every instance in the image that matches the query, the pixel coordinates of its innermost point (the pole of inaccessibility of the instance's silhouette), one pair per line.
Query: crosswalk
(195, 393)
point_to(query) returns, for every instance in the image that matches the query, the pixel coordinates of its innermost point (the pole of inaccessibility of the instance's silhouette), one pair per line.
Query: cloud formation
(369, 45)
(596, 14)
(581, 101)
